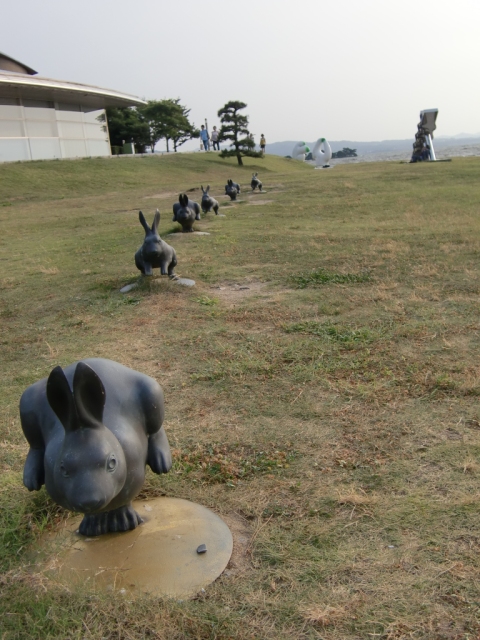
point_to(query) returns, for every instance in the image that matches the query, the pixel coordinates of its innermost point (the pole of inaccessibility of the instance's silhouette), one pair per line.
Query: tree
(185, 130)
(346, 152)
(168, 119)
(234, 125)
(125, 124)
(157, 114)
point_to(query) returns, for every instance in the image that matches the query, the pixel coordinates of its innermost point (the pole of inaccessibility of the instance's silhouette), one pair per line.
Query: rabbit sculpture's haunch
(185, 212)
(208, 203)
(154, 251)
(92, 428)
(232, 189)
(256, 182)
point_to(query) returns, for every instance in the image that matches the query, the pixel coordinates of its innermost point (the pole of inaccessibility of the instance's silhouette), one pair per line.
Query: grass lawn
(321, 383)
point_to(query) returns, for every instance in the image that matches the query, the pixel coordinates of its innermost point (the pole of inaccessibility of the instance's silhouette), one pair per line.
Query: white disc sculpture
(299, 151)
(322, 153)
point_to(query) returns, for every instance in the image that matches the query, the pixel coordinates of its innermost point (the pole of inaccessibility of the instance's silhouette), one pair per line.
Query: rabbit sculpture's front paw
(159, 457)
(121, 519)
(34, 471)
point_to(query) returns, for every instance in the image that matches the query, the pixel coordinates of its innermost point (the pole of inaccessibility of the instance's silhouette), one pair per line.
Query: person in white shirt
(214, 139)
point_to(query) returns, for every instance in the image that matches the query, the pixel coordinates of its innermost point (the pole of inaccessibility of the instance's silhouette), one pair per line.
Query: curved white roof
(15, 85)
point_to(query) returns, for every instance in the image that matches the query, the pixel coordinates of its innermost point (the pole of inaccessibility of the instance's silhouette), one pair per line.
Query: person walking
(204, 137)
(263, 144)
(214, 139)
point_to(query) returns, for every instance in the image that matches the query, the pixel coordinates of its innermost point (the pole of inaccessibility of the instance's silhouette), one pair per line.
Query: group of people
(214, 138)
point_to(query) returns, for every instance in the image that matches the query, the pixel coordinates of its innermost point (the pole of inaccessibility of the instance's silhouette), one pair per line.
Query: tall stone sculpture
(423, 145)
(92, 428)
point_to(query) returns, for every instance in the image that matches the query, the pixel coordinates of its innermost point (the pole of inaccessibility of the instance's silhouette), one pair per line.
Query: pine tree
(234, 126)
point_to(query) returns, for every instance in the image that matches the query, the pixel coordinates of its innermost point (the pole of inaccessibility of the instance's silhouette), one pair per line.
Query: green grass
(333, 332)
(320, 276)
(321, 385)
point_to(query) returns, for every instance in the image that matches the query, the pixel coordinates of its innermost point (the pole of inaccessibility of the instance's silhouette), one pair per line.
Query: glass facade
(42, 130)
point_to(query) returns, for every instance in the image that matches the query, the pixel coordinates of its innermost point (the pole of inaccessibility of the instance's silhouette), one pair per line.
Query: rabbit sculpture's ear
(82, 407)
(143, 222)
(89, 395)
(183, 199)
(60, 398)
(156, 221)
(203, 190)
(208, 188)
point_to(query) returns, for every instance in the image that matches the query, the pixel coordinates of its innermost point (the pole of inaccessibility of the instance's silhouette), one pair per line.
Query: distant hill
(461, 136)
(383, 146)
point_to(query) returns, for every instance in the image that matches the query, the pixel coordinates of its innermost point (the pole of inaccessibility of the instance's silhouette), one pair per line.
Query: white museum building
(42, 119)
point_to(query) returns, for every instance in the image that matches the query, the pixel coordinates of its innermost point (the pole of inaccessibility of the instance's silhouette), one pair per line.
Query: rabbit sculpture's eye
(63, 471)
(111, 463)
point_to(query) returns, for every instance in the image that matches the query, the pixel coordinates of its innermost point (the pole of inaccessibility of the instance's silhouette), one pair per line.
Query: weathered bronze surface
(159, 557)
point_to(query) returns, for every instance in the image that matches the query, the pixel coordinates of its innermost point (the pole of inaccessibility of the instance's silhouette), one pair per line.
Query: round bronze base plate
(159, 557)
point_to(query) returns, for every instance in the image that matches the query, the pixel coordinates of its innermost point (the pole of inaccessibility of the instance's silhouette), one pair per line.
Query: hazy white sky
(340, 69)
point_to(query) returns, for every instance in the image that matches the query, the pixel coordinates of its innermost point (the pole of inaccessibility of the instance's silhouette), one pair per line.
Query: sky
(344, 69)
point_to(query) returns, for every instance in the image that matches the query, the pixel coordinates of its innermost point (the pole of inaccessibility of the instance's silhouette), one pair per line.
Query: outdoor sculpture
(208, 203)
(154, 251)
(235, 184)
(322, 153)
(185, 212)
(423, 145)
(232, 189)
(299, 151)
(92, 428)
(255, 182)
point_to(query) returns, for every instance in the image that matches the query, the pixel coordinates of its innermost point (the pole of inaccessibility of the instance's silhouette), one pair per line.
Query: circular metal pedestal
(159, 557)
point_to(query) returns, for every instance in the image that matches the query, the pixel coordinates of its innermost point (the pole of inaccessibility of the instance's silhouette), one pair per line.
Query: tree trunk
(166, 140)
(239, 159)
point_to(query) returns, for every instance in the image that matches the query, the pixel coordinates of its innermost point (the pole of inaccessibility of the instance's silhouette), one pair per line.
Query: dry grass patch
(324, 616)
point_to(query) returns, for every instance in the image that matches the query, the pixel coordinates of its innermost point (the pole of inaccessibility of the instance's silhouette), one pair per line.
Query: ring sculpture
(322, 153)
(92, 427)
(299, 151)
